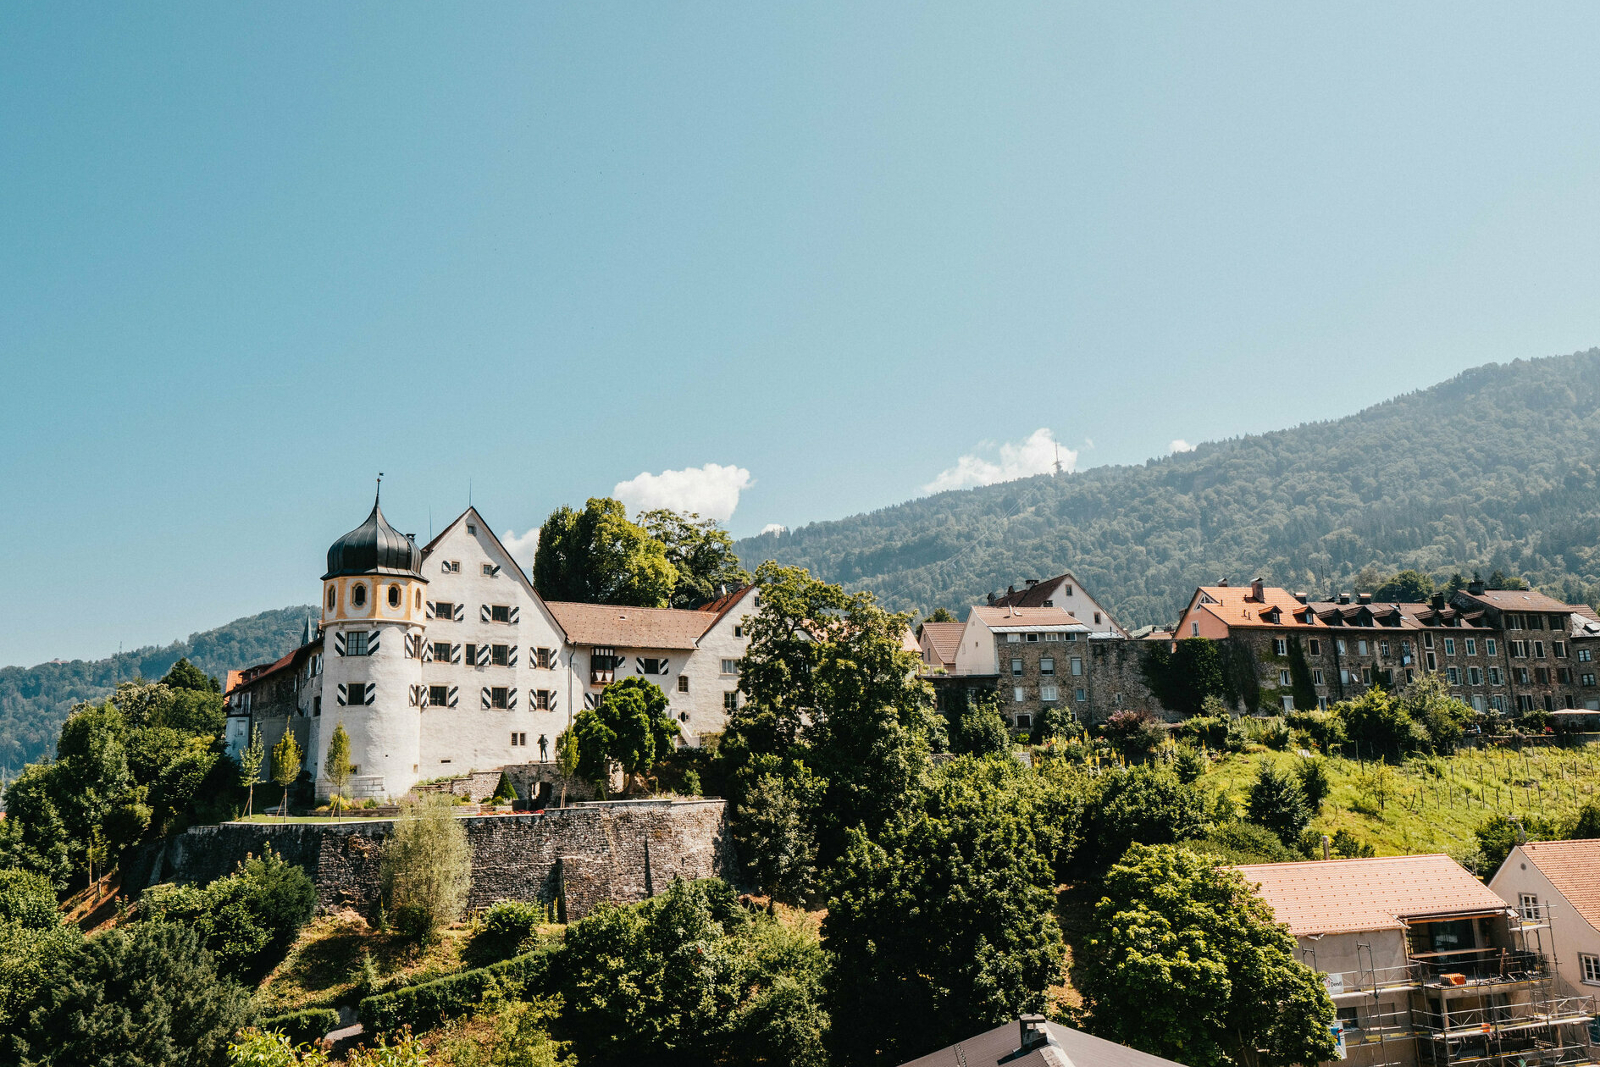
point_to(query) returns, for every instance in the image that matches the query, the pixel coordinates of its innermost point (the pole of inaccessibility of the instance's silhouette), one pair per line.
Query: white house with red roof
(1556, 884)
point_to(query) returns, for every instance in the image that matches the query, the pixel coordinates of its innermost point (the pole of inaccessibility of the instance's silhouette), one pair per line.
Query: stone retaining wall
(578, 856)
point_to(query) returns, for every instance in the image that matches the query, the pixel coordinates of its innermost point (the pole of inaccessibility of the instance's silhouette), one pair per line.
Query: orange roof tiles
(1345, 896)
(1236, 605)
(944, 637)
(625, 627)
(1003, 618)
(1573, 867)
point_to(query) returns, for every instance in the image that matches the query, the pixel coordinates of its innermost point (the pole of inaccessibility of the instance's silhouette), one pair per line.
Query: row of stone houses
(1053, 644)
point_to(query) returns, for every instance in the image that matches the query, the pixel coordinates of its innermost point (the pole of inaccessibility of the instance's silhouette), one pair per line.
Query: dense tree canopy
(700, 551)
(629, 729)
(597, 556)
(1184, 961)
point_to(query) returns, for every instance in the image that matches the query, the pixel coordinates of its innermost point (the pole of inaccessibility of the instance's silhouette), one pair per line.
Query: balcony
(602, 676)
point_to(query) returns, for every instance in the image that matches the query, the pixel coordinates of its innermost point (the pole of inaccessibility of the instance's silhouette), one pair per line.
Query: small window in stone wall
(683, 683)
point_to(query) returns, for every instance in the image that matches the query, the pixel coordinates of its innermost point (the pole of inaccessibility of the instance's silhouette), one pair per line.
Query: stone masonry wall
(1117, 681)
(621, 851)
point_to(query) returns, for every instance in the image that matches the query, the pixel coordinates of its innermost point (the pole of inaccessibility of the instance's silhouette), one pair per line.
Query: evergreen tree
(1276, 803)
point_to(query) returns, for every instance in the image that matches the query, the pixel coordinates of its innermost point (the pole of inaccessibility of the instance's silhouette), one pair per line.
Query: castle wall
(621, 851)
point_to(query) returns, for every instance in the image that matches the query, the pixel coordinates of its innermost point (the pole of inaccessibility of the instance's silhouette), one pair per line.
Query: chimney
(1363, 598)
(1437, 601)
(1258, 591)
(1222, 583)
(1032, 1032)
(1302, 597)
(1344, 598)
(1475, 587)
(991, 599)
(1031, 582)
(1011, 590)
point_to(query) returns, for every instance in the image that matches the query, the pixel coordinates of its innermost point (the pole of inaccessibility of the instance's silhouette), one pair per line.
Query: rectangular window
(441, 651)
(655, 666)
(1513, 622)
(472, 655)
(499, 697)
(1284, 678)
(355, 644)
(1033, 637)
(1013, 639)
(1454, 675)
(1361, 647)
(1066, 590)
(513, 739)
(1558, 649)
(1536, 622)
(1588, 680)
(1477, 701)
(1194, 629)
(1077, 665)
(1538, 650)
(738, 631)
(730, 666)
(1016, 668)
(1344, 676)
(1366, 675)
(1427, 640)
(1017, 695)
(1052, 636)
(1522, 676)
(1080, 695)
(1280, 646)
(438, 696)
(489, 569)
(543, 699)
(1474, 676)
(451, 566)
(1472, 646)
(1316, 676)
(499, 613)
(500, 655)
(1432, 663)
(547, 658)
(1494, 675)
(1449, 646)
(1097, 618)
(1024, 722)
(1316, 647)
(444, 610)
(730, 701)
(1049, 693)
(1498, 703)
(1541, 675)
(1322, 703)
(1383, 648)
(1488, 646)
(683, 683)
(1589, 968)
(1047, 665)
(1549, 703)
(1288, 703)
(1528, 904)
(1585, 655)
(1338, 645)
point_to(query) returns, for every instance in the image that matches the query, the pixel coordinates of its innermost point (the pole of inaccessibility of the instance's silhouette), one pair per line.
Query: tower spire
(378, 496)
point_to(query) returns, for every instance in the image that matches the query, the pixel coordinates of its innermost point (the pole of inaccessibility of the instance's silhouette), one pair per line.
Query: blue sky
(250, 255)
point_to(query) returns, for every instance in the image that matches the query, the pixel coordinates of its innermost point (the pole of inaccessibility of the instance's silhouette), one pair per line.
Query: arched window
(419, 600)
(330, 598)
(394, 596)
(358, 596)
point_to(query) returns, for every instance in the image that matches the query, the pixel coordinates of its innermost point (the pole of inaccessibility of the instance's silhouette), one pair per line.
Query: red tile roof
(1345, 896)
(1573, 867)
(608, 625)
(1519, 600)
(1004, 618)
(945, 637)
(1032, 596)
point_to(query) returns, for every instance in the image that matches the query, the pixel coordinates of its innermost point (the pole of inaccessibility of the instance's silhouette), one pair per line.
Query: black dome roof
(374, 547)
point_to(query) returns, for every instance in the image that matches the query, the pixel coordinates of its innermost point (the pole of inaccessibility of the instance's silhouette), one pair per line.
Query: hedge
(309, 1024)
(428, 1004)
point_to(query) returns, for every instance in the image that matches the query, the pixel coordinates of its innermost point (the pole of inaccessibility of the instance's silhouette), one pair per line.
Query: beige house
(1556, 884)
(1426, 965)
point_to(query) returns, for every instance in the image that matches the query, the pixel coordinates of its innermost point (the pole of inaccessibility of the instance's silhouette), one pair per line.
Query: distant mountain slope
(35, 700)
(1496, 468)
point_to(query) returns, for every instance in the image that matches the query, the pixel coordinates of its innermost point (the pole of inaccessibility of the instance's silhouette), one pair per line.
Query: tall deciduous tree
(426, 867)
(597, 556)
(702, 553)
(1407, 587)
(984, 944)
(336, 766)
(630, 729)
(1184, 961)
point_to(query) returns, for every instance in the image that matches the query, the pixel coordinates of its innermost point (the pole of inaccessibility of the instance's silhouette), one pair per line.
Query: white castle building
(442, 660)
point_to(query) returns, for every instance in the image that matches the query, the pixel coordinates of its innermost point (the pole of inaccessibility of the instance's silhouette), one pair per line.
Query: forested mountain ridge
(1494, 469)
(34, 701)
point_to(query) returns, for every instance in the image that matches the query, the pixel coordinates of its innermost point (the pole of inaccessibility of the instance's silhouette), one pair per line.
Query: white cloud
(522, 547)
(1180, 445)
(711, 491)
(1036, 454)
(774, 527)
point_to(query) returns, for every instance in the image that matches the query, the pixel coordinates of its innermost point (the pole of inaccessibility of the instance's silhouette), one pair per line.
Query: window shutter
(455, 695)
(514, 612)
(342, 691)
(485, 698)
(511, 657)
(455, 655)
(427, 650)
(511, 700)
(427, 608)
(418, 696)
(590, 700)
(638, 664)
(372, 693)
(483, 612)
(338, 647)
(372, 642)
(483, 655)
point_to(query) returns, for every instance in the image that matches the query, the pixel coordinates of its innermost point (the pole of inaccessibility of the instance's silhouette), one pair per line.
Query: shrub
(27, 900)
(427, 1004)
(1324, 729)
(1380, 727)
(977, 727)
(1144, 804)
(1188, 764)
(1347, 846)
(504, 792)
(1315, 785)
(1052, 721)
(1220, 732)
(1242, 842)
(1276, 803)
(308, 1024)
(248, 919)
(507, 928)
(426, 868)
(1134, 734)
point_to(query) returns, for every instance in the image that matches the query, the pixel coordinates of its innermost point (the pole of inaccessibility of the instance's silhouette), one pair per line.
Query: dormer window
(1049, 603)
(358, 596)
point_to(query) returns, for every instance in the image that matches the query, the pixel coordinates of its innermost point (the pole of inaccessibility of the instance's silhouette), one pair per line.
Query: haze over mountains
(1495, 469)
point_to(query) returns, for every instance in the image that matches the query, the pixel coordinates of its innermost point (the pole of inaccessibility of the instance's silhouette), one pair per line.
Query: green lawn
(1433, 803)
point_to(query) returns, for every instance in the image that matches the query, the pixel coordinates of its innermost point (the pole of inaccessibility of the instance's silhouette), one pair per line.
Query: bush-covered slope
(1494, 469)
(35, 700)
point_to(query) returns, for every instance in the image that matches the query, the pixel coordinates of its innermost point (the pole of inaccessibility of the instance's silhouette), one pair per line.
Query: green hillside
(1494, 469)
(35, 700)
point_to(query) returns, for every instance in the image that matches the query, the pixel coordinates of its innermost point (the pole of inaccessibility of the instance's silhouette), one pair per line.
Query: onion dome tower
(373, 625)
